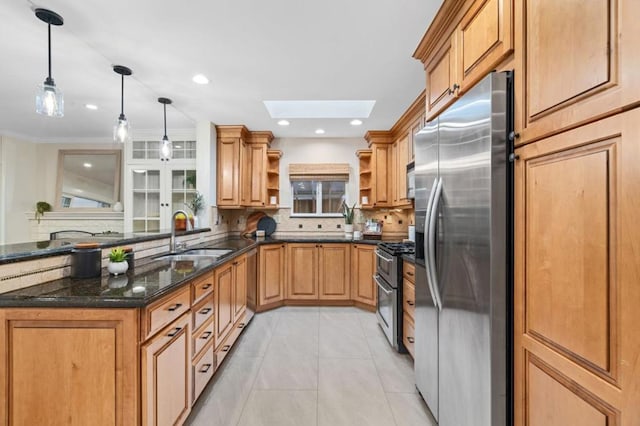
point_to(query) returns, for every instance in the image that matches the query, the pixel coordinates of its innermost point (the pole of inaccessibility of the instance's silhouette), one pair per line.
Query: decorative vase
(117, 268)
(348, 230)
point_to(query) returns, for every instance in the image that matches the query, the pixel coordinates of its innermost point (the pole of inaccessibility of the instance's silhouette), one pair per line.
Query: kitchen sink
(184, 257)
(208, 252)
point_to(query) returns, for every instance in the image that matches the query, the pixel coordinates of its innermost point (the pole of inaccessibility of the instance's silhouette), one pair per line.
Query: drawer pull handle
(206, 335)
(410, 339)
(204, 368)
(174, 332)
(206, 286)
(225, 348)
(174, 307)
(410, 273)
(410, 302)
(205, 311)
(241, 325)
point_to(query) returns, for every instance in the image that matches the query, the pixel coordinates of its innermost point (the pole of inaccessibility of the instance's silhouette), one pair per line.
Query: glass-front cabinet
(156, 188)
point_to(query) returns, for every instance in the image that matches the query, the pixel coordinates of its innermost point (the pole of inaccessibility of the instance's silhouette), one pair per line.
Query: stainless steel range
(389, 280)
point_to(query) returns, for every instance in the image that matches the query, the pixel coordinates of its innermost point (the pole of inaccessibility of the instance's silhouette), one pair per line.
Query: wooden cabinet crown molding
(263, 136)
(449, 15)
(406, 121)
(378, 136)
(235, 131)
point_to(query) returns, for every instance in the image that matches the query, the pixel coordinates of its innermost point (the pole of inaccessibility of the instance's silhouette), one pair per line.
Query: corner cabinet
(247, 170)
(154, 188)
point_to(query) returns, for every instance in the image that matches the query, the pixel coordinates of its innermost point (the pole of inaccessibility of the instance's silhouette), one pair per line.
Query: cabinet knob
(410, 302)
(206, 286)
(205, 311)
(226, 348)
(174, 307)
(206, 335)
(453, 89)
(204, 368)
(410, 274)
(410, 339)
(174, 332)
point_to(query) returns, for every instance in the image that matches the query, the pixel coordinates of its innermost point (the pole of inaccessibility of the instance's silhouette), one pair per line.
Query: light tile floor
(304, 366)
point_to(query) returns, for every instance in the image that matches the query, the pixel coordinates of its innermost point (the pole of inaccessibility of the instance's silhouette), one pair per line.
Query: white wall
(318, 150)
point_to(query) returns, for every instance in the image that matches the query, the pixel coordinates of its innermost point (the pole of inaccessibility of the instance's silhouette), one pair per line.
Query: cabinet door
(255, 186)
(166, 375)
(334, 271)
(229, 172)
(272, 273)
(485, 39)
(401, 174)
(302, 282)
(61, 364)
(380, 172)
(442, 75)
(393, 173)
(144, 211)
(577, 348)
(363, 287)
(577, 62)
(223, 295)
(240, 288)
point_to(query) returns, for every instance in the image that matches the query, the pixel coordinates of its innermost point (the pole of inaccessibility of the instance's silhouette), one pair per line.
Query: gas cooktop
(398, 248)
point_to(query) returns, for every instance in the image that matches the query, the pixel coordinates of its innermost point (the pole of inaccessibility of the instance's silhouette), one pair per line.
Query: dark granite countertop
(19, 252)
(409, 258)
(144, 284)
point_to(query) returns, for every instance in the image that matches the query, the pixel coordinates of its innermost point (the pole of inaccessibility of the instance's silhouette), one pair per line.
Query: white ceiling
(251, 50)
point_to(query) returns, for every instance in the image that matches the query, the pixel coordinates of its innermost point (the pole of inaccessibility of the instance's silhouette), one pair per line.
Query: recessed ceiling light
(91, 107)
(319, 132)
(87, 165)
(283, 123)
(200, 79)
(356, 122)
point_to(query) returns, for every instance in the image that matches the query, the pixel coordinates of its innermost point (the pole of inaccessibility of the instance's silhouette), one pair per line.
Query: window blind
(319, 172)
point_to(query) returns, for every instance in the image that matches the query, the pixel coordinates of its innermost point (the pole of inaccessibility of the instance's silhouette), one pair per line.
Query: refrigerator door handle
(431, 240)
(382, 286)
(426, 240)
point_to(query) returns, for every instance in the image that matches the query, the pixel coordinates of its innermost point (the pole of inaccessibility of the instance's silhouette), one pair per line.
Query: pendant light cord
(49, 30)
(165, 120)
(122, 97)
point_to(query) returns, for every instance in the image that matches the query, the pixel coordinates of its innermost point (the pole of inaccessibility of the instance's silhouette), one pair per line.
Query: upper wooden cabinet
(271, 280)
(381, 188)
(576, 63)
(247, 171)
(467, 40)
(402, 159)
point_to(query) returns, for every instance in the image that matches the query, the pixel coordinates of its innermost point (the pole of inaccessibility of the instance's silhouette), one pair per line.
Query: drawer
(226, 346)
(202, 337)
(409, 271)
(409, 299)
(203, 369)
(408, 333)
(202, 286)
(202, 311)
(166, 310)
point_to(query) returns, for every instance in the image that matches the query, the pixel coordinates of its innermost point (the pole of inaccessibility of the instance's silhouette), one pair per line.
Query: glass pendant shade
(166, 149)
(122, 130)
(49, 100)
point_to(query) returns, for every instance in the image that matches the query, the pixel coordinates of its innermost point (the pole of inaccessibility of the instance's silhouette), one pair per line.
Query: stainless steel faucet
(172, 242)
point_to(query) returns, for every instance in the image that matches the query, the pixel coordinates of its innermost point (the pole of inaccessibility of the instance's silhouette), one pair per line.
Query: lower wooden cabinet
(271, 282)
(302, 280)
(577, 269)
(166, 375)
(239, 287)
(363, 286)
(203, 368)
(334, 271)
(62, 364)
(318, 271)
(223, 296)
(408, 333)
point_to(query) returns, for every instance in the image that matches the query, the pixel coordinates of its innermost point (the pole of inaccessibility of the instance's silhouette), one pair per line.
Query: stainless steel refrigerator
(463, 258)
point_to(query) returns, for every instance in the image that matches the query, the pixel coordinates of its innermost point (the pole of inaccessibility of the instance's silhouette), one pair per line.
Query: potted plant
(41, 208)
(348, 213)
(117, 261)
(196, 205)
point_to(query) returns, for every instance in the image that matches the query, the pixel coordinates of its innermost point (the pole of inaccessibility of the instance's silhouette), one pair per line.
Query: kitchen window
(318, 189)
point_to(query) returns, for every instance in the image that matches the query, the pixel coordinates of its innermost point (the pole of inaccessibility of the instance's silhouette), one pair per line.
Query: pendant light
(165, 149)
(49, 99)
(122, 130)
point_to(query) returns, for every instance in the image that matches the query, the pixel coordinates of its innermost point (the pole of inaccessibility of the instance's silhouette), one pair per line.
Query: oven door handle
(382, 286)
(383, 258)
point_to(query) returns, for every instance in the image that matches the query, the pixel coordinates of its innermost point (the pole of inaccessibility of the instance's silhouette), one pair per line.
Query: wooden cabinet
(401, 159)
(240, 287)
(61, 364)
(223, 296)
(334, 275)
(443, 81)
(577, 348)
(381, 188)
(228, 171)
(302, 280)
(166, 375)
(365, 182)
(247, 171)
(575, 63)
(363, 286)
(408, 306)
(272, 277)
